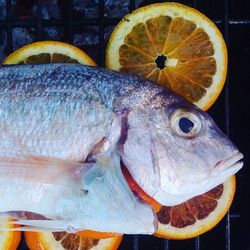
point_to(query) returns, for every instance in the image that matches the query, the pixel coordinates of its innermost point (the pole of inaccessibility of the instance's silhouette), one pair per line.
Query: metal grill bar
(226, 22)
(131, 5)
(239, 22)
(69, 21)
(234, 215)
(227, 83)
(39, 20)
(195, 3)
(89, 22)
(131, 8)
(197, 243)
(101, 33)
(9, 27)
(197, 239)
(136, 245)
(166, 245)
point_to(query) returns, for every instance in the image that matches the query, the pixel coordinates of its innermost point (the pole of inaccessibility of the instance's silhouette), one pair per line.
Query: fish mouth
(231, 163)
(221, 171)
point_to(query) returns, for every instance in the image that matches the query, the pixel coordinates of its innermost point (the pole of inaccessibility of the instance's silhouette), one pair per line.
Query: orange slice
(48, 52)
(174, 45)
(197, 215)
(68, 241)
(9, 240)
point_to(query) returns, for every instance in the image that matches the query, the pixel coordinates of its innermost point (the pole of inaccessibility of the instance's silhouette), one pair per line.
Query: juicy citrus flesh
(48, 52)
(197, 215)
(9, 240)
(68, 241)
(174, 45)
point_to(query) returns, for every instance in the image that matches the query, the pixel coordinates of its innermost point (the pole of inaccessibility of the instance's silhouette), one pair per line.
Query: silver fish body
(85, 114)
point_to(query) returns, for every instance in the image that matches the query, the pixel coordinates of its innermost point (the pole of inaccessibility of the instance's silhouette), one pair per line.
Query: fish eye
(185, 123)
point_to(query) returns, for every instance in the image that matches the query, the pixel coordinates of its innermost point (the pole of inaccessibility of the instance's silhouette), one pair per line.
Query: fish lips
(229, 165)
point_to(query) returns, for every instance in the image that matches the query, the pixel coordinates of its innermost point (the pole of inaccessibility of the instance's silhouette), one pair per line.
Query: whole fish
(64, 131)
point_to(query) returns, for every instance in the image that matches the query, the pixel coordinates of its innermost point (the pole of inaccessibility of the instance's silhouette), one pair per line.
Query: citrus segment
(197, 215)
(179, 30)
(9, 240)
(153, 75)
(74, 241)
(157, 30)
(68, 241)
(139, 40)
(173, 45)
(184, 86)
(48, 52)
(199, 71)
(48, 58)
(163, 79)
(133, 56)
(142, 70)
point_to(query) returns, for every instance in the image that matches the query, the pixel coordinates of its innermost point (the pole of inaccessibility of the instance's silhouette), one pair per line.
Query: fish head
(175, 151)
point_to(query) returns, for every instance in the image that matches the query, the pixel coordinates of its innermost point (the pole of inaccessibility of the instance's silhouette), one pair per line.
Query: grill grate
(69, 24)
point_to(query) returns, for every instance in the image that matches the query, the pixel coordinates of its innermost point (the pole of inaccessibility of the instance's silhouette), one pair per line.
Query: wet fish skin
(63, 111)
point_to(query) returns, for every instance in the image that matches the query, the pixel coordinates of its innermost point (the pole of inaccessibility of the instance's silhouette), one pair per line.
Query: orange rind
(48, 52)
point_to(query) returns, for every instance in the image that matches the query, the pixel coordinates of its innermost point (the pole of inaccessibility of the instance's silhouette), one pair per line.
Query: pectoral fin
(41, 169)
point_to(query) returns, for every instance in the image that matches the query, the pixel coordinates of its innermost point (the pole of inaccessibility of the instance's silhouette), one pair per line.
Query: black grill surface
(88, 24)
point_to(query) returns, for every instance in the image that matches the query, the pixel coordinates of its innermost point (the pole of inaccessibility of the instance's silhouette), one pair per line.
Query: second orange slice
(173, 45)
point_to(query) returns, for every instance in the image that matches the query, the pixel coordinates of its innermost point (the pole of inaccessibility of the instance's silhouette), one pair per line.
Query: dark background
(88, 24)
